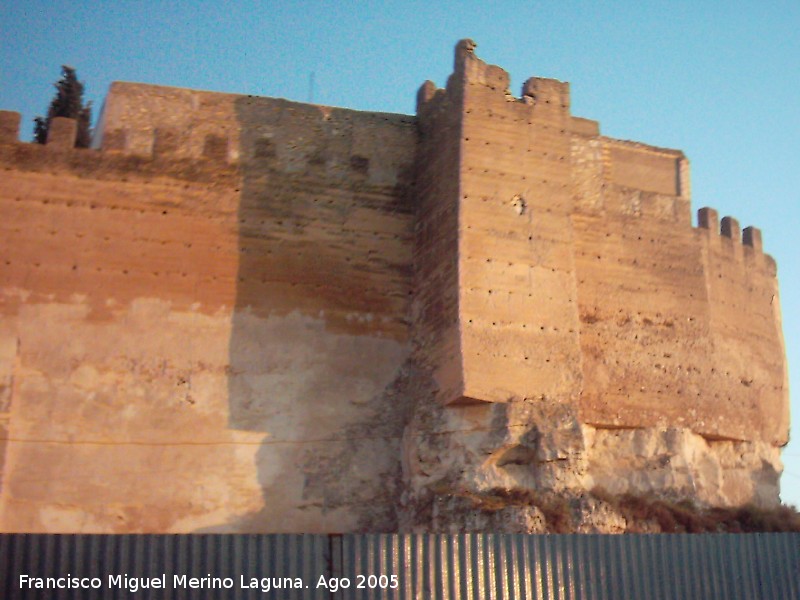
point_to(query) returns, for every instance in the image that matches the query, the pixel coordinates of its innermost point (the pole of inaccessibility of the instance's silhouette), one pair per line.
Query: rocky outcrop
(530, 466)
(677, 463)
(468, 450)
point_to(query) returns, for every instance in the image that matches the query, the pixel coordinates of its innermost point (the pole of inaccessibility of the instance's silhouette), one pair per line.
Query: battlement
(59, 148)
(61, 135)
(546, 98)
(557, 229)
(113, 150)
(9, 126)
(708, 218)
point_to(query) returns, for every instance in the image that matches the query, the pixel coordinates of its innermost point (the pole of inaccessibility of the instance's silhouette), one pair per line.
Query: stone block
(708, 218)
(730, 229)
(9, 126)
(62, 133)
(751, 236)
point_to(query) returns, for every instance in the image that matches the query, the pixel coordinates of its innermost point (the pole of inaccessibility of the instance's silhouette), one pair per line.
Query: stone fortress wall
(195, 328)
(249, 314)
(593, 336)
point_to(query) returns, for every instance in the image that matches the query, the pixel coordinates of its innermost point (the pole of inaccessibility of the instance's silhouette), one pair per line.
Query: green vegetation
(68, 102)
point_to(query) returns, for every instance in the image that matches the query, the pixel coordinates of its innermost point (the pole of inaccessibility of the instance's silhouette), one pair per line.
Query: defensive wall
(249, 314)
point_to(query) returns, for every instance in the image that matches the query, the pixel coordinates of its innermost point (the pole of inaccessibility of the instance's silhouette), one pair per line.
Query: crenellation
(62, 133)
(708, 218)
(425, 94)
(548, 99)
(751, 236)
(9, 126)
(470, 70)
(729, 228)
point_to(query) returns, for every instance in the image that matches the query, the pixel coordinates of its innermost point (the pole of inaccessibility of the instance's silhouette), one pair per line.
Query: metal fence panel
(409, 567)
(575, 567)
(225, 566)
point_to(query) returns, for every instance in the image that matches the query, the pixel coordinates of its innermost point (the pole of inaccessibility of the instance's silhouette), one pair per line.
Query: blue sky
(719, 81)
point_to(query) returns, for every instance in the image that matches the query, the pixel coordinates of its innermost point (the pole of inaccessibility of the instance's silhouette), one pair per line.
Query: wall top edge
(672, 152)
(126, 87)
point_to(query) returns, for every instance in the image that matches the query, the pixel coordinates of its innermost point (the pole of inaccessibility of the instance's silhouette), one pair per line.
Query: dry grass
(642, 512)
(685, 517)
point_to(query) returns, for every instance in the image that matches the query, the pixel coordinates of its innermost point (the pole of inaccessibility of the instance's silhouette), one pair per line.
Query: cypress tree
(68, 102)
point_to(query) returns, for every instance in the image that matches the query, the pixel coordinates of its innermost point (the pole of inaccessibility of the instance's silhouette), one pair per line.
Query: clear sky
(720, 81)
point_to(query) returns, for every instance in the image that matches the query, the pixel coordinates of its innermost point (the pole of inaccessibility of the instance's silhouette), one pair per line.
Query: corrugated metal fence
(447, 567)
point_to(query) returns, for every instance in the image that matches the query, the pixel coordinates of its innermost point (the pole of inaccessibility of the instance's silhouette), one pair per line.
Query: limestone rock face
(456, 514)
(595, 516)
(527, 465)
(520, 446)
(678, 463)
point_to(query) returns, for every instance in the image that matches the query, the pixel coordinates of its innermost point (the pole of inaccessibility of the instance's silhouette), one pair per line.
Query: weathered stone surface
(454, 514)
(595, 516)
(9, 126)
(680, 464)
(525, 445)
(188, 344)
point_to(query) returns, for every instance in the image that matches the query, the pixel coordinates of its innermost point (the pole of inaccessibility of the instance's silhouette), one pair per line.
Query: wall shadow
(320, 328)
